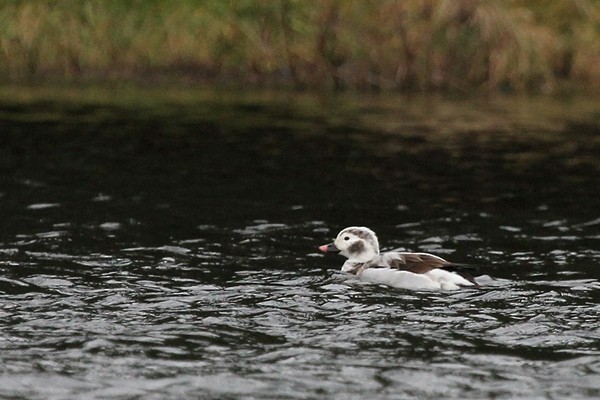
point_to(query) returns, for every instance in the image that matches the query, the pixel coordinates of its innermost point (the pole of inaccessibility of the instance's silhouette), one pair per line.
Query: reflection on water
(168, 250)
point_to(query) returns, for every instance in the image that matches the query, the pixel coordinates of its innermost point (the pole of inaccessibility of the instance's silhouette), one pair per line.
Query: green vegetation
(454, 45)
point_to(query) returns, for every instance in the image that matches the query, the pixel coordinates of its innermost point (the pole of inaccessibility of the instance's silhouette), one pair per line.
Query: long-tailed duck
(402, 270)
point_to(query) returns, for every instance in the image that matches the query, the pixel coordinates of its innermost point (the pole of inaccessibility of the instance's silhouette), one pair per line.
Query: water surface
(162, 244)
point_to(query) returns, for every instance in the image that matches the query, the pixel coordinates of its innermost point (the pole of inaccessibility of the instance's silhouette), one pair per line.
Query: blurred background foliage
(405, 45)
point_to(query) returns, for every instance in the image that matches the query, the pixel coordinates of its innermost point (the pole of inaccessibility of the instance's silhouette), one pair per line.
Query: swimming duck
(398, 269)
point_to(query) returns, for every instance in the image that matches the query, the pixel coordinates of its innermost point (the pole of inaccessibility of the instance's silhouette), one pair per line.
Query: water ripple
(181, 312)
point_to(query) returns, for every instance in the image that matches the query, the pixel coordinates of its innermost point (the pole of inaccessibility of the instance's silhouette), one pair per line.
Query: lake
(162, 244)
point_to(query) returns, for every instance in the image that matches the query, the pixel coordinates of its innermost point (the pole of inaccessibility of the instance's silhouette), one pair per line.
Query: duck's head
(357, 243)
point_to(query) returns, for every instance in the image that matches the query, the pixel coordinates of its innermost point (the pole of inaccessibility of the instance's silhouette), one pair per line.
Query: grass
(410, 45)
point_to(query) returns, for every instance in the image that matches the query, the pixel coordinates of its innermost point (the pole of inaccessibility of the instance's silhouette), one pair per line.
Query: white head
(358, 243)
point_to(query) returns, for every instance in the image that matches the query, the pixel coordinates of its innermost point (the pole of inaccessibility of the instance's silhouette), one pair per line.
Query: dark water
(163, 246)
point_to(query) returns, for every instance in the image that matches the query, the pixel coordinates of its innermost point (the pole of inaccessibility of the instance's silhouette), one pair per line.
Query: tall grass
(379, 44)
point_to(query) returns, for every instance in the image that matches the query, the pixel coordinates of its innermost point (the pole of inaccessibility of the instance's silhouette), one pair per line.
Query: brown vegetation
(454, 45)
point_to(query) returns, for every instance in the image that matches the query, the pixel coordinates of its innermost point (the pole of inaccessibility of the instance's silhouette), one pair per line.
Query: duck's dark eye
(346, 237)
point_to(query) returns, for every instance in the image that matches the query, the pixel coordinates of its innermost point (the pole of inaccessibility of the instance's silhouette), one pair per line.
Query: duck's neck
(353, 267)
(363, 257)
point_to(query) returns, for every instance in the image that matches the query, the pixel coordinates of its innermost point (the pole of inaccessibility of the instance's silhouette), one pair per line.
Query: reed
(455, 45)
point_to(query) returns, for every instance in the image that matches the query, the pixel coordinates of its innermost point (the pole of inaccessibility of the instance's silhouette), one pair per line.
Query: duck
(404, 270)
